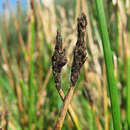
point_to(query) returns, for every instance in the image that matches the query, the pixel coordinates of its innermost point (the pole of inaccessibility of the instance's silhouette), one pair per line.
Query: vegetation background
(28, 97)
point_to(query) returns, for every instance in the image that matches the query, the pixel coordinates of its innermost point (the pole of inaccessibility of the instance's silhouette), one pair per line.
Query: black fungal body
(80, 50)
(59, 58)
(58, 61)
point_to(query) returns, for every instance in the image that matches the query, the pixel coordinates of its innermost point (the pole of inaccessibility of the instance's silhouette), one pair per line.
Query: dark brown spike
(58, 41)
(80, 50)
(58, 60)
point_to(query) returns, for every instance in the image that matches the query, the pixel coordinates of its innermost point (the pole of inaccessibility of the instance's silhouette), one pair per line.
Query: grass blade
(109, 66)
(128, 92)
(31, 87)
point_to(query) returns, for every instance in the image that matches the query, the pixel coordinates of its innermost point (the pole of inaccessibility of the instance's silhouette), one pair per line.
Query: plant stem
(31, 87)
(128, 92)
(109, 66)
(70, 111)
(64, 108)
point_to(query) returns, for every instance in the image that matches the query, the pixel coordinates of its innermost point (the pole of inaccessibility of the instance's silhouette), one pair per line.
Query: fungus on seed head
(82, 23)
(58, 60)
(80, 50)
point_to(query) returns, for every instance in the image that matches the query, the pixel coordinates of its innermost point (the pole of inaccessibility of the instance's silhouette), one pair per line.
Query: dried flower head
(58, 60)
(80, 49)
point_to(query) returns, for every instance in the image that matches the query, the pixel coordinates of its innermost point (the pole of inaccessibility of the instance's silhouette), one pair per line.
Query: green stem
(128, 92)
(31, 87)
(112, 85)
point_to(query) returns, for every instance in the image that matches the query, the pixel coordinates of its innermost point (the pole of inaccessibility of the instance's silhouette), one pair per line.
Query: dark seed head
(58, 60)
(80, 50)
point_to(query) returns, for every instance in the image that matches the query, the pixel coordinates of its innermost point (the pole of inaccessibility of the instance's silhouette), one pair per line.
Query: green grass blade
(109, 66)
(24, 89)
(31, 87)
(128, 92)
(88, 113)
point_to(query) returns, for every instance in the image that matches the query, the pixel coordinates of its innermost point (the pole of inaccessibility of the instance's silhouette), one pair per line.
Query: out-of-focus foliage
(28, 97)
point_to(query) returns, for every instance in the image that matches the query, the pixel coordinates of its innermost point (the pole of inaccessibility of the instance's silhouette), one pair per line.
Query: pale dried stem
(6, 63)
(70, 109)
(77, 9)
(36, 13)
(7, 60)
(64, 108)
(93, 47)
(125, 35)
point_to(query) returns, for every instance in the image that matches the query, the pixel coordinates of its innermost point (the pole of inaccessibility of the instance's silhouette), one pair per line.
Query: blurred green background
(28, 97)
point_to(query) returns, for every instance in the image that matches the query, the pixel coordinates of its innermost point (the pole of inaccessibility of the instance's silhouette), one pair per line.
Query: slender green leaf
(113, 91)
